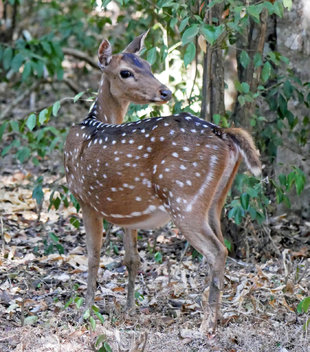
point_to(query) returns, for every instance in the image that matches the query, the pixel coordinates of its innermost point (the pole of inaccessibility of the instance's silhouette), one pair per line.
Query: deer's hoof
(209, 323)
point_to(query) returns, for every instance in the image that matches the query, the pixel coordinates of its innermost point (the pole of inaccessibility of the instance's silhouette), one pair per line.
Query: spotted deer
(139, 175)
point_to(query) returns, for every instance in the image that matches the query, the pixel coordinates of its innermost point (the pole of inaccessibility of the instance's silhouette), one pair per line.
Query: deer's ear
(137, 44)
(104, 54)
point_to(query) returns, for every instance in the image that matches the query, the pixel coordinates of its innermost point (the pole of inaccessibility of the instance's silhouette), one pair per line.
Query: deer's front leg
(94, 231)
(132, 262)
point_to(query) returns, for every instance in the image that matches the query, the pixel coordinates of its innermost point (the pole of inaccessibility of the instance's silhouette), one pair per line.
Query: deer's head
(129, 76)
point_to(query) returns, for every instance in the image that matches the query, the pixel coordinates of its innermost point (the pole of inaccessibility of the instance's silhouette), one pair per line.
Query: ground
(40, 276)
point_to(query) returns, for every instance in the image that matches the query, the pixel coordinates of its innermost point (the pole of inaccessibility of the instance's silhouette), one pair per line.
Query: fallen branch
(81, 56)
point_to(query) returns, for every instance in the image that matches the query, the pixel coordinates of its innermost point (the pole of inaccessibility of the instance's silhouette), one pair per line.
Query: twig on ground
(2, 236)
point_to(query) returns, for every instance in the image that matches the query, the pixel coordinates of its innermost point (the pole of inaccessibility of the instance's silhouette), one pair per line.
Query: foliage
(88, 314)
(303, 307)
(102, 345)
(51, 245)
(33, 58)
(158, 257)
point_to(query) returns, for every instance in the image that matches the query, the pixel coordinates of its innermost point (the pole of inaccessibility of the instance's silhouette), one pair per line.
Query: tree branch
(81, 56)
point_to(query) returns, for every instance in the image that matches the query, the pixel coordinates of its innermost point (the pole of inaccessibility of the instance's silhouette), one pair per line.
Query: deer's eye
(126, 74)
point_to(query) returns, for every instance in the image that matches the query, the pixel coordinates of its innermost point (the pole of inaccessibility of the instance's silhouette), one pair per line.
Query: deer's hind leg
(202, 237)
(200, 224)
(219, 198)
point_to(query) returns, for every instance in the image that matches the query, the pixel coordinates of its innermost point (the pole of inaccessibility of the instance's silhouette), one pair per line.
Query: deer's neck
(109, 109)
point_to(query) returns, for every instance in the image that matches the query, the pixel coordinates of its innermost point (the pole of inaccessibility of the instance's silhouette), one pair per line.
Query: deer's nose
(165, 94)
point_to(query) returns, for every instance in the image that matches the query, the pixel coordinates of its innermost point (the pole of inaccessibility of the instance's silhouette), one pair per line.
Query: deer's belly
(128, 210)
(156, 219)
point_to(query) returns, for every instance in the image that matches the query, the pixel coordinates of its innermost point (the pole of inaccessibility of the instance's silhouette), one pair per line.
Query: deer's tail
(244, 142)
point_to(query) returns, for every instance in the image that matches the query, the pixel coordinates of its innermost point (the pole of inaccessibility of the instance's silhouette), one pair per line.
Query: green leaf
(227, 244)
(216, 118)
(288, 89)
(78, 302)
(26, 71)
(37, 192)
(23, 154)
(288, 4)
(75, 222)
(278, 9)
(238, 86)
(38, 67)
(241, 100)
(53, 237)
(56, 107)
(69, 302)
(7, 58)
(282, 105)
(43, 116)
(245, 200)
(158, 257)
(47, 47)
(252, 213)
(173, 22)
(189, 53)
(269, 6)
(30, 320)
(183, 24)
(284, 59)
(245, 87)
(107, 347)
(151, 56)
(99, 316)
(212, 33)
(86, 315)
(266, 71)
(15, 126)
(31, 121)
(254, 11)
(239, 215)
(17, 62)
(303, 306)
(77, 97)
(100, 340)
(92, 323)
(300, 181)
(244, 59)
(282, 179)
(190, 33)
(306, 304)
(257, 60)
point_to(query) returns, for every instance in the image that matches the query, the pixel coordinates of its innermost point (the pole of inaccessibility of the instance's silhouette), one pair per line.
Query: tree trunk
(213, 73)
(252, 41)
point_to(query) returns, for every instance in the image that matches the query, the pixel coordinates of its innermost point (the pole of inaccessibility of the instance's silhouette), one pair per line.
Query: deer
(141, 175)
